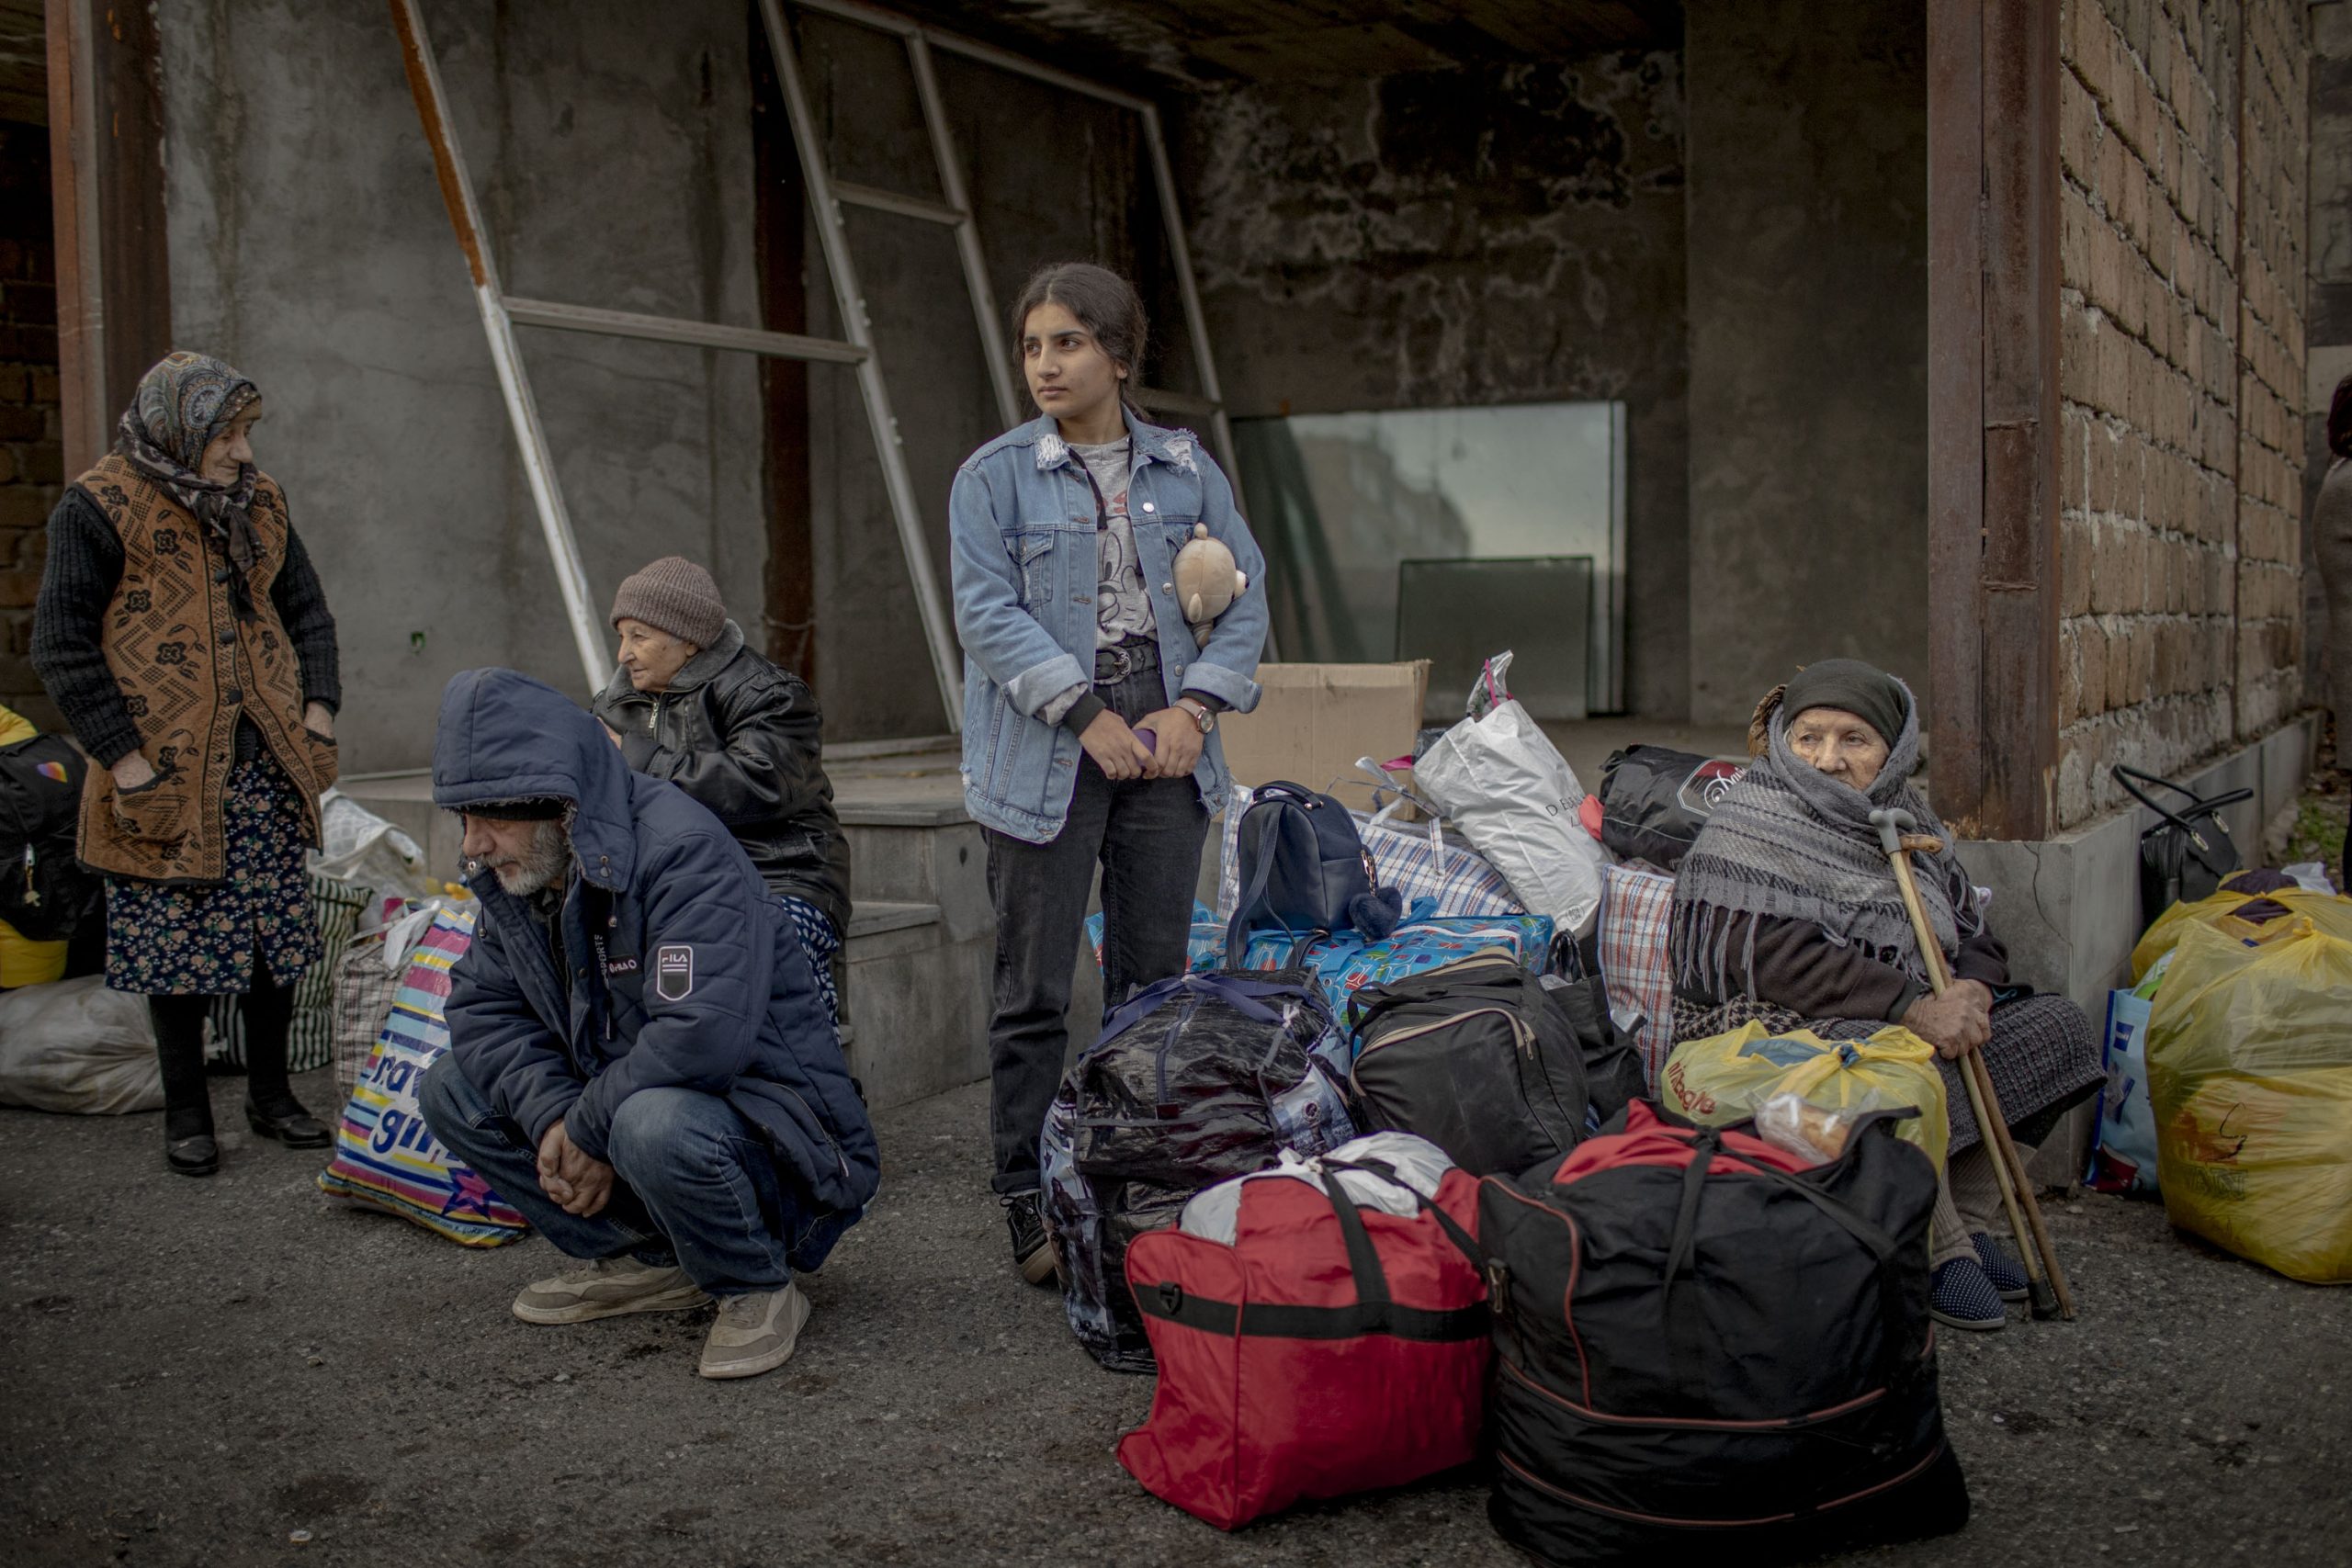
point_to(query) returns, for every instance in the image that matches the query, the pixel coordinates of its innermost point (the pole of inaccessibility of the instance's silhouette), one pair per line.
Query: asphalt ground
(193, 1371)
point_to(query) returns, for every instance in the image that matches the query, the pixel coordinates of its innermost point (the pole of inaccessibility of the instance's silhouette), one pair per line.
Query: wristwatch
(1201, 715)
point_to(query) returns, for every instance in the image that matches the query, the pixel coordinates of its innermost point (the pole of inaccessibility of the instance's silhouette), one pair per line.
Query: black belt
(1122, 660)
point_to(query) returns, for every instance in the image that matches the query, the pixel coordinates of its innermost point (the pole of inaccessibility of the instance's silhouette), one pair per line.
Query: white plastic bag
(362, 849)
(72, 1045)
(1507, 789)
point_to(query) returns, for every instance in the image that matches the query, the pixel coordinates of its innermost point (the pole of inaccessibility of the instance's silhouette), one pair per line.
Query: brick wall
(2181, 367)
(30, 417)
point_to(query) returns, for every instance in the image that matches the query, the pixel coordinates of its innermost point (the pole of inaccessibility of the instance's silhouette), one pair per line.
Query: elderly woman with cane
(184, 635)
(1789, 911)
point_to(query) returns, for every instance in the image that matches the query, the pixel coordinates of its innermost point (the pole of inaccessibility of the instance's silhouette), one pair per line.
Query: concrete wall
(2181, 377)
(309, 248)
(1458, 238)
(1808, 343)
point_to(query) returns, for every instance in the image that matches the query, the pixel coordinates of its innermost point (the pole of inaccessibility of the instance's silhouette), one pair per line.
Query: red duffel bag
(1320, 1329)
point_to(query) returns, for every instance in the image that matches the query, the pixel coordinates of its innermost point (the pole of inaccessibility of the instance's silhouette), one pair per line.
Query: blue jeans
(696, 1185)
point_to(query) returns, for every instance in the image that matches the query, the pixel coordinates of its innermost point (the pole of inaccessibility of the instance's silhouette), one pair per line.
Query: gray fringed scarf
(1789, 841)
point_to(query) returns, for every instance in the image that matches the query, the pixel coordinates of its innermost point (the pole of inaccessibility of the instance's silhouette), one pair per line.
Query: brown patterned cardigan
(137, 640)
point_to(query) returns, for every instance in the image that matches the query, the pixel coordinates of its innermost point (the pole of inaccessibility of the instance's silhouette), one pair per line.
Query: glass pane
(1457, 613)
(1340, 501)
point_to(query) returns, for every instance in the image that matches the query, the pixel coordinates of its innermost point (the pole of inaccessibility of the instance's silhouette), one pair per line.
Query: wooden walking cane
(2045, 1280)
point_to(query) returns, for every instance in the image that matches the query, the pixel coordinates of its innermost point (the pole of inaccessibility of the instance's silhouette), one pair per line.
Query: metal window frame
(501, 312)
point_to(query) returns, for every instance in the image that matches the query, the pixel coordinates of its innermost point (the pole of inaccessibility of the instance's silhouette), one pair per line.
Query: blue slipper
(2007, 1277)
(1964, 1298)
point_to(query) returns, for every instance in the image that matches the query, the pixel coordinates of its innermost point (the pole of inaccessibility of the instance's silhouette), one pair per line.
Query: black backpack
(2187, 855)
(45, 893)
(1478, 1058)
(1701, 1353)
(1303, 868)
(1193, 1080)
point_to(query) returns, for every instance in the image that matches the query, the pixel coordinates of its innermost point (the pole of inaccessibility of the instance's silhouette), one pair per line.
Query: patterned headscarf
(180, 405)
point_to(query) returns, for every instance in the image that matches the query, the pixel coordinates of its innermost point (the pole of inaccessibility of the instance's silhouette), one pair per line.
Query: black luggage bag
(1703, 1353)
(1477, 1057)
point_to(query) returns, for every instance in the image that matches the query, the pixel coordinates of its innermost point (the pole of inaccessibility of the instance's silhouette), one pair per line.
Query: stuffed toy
(1206, 581)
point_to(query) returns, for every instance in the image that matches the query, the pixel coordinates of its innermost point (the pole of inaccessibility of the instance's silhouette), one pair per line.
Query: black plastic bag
(1654, 801)
(1195, 1080)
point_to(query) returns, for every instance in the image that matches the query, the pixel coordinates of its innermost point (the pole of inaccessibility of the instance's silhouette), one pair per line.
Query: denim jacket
(1022, 519)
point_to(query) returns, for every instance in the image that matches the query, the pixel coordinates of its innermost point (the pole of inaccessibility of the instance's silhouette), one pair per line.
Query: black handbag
(2186, 854)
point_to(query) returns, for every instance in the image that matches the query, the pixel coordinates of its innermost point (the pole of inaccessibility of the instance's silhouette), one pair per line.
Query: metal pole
(968, 231)
(514, 384)
(938, 628)
(81, 272)
(1171, 217)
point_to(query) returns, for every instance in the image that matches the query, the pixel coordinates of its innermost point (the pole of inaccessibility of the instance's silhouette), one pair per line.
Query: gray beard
(543, 864)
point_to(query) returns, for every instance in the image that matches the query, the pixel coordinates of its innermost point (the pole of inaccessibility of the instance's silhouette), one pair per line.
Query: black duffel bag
(1701, 1354)
(1477, 1057)
(2185, 855)
(1655, 800)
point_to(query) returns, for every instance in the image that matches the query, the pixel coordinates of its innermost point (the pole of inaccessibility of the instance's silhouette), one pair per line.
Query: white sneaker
(754, 1333)
(608, 1287)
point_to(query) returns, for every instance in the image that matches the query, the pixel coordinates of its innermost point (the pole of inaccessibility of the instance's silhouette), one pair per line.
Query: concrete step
(876, 915)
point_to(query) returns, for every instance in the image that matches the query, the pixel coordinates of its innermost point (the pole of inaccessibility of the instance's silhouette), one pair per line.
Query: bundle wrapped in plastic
(2250, 1078)
(1728, 1077)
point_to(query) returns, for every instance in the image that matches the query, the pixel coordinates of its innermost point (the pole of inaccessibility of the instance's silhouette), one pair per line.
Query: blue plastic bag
(2125, 1159)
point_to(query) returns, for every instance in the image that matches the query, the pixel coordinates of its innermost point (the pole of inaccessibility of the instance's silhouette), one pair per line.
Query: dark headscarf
(1864, 689)
(179, 406)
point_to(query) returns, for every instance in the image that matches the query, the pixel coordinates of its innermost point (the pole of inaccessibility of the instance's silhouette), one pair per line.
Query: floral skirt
(220, 938)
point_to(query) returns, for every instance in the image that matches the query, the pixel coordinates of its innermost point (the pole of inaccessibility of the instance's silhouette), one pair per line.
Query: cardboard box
(1317, 719)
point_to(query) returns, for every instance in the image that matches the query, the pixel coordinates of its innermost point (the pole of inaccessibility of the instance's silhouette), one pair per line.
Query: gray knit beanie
(673, 596)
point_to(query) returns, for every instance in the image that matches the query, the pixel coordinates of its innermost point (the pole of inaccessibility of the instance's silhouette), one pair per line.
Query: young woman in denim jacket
(1064, 532)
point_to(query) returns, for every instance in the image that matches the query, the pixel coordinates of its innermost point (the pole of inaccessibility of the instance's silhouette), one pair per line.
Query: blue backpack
(1304, 869)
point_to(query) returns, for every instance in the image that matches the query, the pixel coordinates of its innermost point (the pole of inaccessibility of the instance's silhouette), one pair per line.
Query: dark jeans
(695, 1185)
(1147, 835)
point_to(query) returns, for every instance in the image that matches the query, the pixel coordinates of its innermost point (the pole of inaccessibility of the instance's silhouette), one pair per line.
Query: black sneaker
(1033, 1253)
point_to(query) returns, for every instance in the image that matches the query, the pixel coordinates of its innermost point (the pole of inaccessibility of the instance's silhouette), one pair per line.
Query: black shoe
(194, 1156)
(289, 1124)
(1033, 1252)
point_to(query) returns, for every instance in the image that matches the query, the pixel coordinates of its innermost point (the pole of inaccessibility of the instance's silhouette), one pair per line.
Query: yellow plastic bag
(2330, 913)
(23, 960)
(1723, 1078)
(2250, 1078)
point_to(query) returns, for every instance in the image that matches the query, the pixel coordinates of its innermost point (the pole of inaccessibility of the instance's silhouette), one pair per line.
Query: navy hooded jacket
(680, 969)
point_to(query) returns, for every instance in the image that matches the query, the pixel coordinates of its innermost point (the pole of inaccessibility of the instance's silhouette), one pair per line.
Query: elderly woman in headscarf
(1786, 911)
(183, 633)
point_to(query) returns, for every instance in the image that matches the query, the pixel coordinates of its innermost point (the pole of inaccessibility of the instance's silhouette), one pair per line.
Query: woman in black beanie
(693, 703)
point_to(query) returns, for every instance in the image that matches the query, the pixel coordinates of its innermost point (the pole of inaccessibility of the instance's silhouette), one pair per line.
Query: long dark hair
(2339, 419)
(1104, 304)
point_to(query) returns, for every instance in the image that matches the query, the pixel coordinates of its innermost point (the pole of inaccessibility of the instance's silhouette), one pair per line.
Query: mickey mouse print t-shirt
(1121, 604)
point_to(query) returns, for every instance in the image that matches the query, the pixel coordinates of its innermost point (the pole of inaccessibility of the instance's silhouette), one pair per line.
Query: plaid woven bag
(1636, 969)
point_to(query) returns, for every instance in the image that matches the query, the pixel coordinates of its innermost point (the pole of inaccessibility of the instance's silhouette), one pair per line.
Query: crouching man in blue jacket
(638, 1058)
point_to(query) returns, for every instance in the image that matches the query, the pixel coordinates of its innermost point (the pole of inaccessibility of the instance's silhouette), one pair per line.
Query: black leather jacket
(742, 735)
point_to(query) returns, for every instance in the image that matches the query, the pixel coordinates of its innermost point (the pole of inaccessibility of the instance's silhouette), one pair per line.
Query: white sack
(1506, 788)
(74, 1046)
(361, 847)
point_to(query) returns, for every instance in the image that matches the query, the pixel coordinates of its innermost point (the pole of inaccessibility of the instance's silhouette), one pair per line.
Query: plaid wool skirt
(216, 939)
(2043, 1057)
